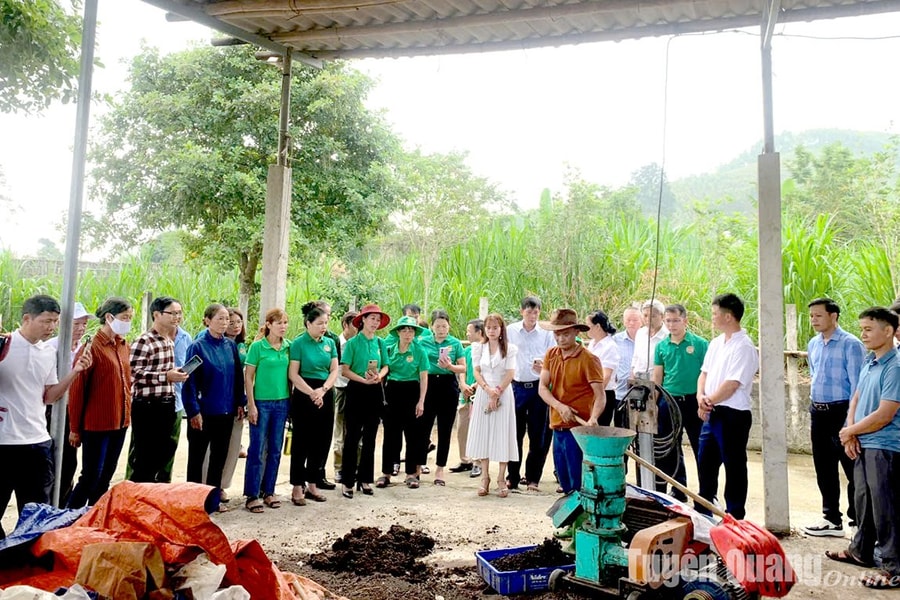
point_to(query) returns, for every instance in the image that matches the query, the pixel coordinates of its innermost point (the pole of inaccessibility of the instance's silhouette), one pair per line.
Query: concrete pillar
(276, 240)
(771, 343)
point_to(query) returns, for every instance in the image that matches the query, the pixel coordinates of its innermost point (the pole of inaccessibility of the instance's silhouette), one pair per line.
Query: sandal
(502, 490)
(879, 580)
(440, 482)
(383, 481)
(272, 501)
(298, 501)
(844, 556)
(254, 505)
(316, 496)
(412, 482)
(532, 487)
(485, 486)
(425, 470)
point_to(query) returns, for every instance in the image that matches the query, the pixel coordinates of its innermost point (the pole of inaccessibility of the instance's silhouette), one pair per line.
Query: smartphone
(445, 352)
(373, 366)
(192, 365)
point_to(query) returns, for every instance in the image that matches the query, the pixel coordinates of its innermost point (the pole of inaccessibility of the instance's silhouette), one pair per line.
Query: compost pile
(367, 551)
(548, 554)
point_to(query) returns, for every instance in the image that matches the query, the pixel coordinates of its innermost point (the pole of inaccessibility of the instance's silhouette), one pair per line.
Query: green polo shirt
(314, 357)
(406, 366)
(681, 363)
(271, 370)
(470, 368)
(432, 350)
(359, 350)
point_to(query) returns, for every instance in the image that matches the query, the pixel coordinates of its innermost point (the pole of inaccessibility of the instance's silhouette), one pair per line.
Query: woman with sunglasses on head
(313, 371)
(268, 404)
(100, 403)
(365, 364)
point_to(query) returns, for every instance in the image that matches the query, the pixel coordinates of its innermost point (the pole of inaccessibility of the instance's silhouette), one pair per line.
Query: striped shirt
(152, 356)
(100, 397)
(834, 366)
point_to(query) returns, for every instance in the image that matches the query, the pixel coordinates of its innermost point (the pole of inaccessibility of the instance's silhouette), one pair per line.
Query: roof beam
(199, 16)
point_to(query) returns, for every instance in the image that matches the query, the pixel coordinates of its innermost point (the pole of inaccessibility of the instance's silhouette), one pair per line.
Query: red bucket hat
(371, 309)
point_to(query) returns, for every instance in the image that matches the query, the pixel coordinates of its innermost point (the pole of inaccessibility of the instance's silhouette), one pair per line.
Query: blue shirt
(182, 341)
(626, 353)
(879, 380)
(217, 386)
(834, 366)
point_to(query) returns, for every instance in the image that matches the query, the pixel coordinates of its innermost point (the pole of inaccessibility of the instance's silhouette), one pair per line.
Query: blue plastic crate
(514, 582)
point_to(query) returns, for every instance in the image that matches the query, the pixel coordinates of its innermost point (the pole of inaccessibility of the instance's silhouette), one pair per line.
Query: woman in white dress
(492, 429)
(603, 346)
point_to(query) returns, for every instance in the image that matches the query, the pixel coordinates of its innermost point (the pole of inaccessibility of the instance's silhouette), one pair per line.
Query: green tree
(444, 202)
(189, 145)
(49, 250)
(40, 43)
(647, 182)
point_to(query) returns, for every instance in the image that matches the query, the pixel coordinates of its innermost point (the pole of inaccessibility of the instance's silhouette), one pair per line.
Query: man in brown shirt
(572, 386)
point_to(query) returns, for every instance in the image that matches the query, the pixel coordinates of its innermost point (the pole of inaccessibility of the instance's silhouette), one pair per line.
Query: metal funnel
(599, 443)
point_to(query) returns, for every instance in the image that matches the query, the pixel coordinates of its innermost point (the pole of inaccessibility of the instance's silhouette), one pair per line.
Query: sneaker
(824, 528)
(476, 471)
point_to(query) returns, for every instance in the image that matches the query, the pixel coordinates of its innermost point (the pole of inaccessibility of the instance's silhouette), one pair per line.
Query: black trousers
(152, 420)
(691, 424)
(825, 422)
(100, 452)
(400, 423)
(215, 437)
(723, 441)
(365, 405)
(313, 427)
(606, 417)
(876, 475)
(28, 471)
(441, 399)
(533, 417)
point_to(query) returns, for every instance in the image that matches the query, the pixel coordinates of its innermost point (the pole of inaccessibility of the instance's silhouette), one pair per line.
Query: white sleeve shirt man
(532, 345)
(644, 347)
(733, 360)
(24, 373)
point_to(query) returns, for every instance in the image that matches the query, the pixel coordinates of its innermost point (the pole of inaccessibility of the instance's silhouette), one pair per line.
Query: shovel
(752, 553)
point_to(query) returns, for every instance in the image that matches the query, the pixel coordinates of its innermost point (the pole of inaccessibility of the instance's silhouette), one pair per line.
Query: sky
(525, 117)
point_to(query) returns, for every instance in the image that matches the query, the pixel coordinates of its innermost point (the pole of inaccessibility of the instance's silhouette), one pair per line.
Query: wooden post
(145, 310)
(793, 365)
(482, 308)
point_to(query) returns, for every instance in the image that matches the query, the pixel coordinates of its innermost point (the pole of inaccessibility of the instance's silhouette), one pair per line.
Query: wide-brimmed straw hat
(371, 309)
(407, 322)
(563, 318)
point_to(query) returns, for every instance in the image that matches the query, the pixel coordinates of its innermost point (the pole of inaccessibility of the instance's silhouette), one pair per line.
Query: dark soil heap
(548, 554)
(367, 551)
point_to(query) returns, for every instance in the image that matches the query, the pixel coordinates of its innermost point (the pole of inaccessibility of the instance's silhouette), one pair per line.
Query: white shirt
(607, 350)
(341, 381)
(532, 345)
(24, 373)
(734, 360)
(644, 347)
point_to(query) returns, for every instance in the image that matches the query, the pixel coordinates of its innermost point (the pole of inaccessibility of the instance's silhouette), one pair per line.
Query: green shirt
(432, 350)
(681, 363)
(406, 366)
(242, 352)
(359, 350)
(271, 370)
(314, 357)
(470, 368)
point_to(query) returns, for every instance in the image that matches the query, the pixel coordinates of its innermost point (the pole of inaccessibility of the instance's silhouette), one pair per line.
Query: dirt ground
(462, 523)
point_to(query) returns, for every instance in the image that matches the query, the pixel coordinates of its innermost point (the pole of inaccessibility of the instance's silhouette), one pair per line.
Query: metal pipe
(73, 234)
(284, 117)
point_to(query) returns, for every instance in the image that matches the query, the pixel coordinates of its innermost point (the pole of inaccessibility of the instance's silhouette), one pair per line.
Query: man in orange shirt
(572, 386)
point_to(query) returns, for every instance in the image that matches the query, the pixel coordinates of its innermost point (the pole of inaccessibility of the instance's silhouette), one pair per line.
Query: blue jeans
(100, 452)
(266, 438)
(567, 457)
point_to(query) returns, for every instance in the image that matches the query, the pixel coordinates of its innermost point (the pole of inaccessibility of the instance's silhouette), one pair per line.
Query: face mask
(120, 328)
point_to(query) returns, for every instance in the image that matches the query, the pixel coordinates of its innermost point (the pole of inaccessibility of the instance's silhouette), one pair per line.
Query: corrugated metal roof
(327, 29)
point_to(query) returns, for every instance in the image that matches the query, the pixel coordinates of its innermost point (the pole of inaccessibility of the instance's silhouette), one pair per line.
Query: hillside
(737, 179)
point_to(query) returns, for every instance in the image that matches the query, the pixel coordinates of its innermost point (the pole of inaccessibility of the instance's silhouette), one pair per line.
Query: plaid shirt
(834, 366)
(152, 355)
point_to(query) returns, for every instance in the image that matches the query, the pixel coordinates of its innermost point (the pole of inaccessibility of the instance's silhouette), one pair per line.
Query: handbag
(5, 343)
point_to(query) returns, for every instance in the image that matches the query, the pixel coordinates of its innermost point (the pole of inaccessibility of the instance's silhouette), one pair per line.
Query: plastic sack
(122, 570)
(26, 592)
(201, 577)
(37, 519)
(235, 592)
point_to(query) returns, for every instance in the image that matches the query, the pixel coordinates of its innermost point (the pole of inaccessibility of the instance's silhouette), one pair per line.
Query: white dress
(493, 435)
